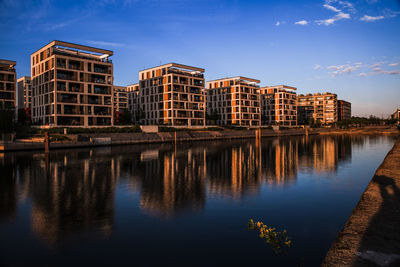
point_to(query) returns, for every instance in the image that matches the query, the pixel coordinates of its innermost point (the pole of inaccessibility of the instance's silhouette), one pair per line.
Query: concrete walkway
(371, 236)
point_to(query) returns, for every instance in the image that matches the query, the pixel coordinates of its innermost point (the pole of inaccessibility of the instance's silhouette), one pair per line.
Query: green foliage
(124, 117)
(279, 241)
(7, 120)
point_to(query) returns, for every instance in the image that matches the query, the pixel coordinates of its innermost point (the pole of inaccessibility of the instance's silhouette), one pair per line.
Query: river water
(183, 205)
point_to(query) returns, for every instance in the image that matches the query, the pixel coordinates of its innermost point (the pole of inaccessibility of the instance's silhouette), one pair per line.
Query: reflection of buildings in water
(74, 195)
(8, 189)
(173, 183)
(280, 161)
(322, 154)
(233, 171)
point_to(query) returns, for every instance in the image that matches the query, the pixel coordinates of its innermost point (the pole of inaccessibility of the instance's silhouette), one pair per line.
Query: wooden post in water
(46, 142)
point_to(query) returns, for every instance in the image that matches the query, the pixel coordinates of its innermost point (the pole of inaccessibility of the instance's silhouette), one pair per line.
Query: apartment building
(234, 101)
(344, 110)
(133, 101)
(278, 105)
(319, 107)
(8, 79)
(72, 85)
(120, 98)
(24, 92)
(172, 94)
(396, 115)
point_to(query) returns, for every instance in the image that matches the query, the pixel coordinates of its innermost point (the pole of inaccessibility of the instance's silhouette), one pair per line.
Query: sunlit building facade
(72, 85)
(172, 94)
(8, 78)
(396, 115)
(319, 107)
(120, 98)
(235, 101)
(278, 105)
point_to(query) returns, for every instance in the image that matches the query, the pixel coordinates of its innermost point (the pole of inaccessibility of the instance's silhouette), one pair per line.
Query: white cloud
(362, 74)
(334, 9)
(342, 69)
(394, 64)
(371, 18)
(340, 14)
(277, 23)
(301, 22)
(103, 43)
(317, 67)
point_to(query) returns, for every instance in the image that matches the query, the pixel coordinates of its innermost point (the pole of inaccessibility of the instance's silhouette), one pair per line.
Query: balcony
(71, 110)
(94, 100)
(66, 75)
(61, 86)
(67, 98)
(101, 90)
(101, 111)
(100, 69)
(98, 79)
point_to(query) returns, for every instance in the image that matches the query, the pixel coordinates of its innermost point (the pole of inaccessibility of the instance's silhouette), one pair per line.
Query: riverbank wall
(371, 236)
(114, 139)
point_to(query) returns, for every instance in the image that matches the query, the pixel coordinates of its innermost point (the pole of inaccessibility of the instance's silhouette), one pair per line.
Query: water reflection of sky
(166, 199)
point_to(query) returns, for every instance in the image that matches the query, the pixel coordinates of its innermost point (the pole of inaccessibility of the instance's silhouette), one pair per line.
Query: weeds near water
(279, 241)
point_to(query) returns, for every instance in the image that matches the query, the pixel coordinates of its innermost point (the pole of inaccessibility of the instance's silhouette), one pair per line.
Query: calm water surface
(182, 205)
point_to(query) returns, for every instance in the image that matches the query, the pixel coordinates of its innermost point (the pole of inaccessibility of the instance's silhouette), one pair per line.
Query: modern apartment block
(72, 85)
(120, 98)
(133, 101)
(172, 94)
(396, 115)
(319, 107)
(236, 101)
(278, 105)
(8, 79)
(344, 110)
(24, 92)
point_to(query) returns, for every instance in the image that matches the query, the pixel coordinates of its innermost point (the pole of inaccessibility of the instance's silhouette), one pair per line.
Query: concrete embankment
(371, 236)
(111, 139)
(83, 140)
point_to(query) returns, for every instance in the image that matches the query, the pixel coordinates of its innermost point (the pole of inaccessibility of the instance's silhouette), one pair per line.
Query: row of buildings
(72, 85)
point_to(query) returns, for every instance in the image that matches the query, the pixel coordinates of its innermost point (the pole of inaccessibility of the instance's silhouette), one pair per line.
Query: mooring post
(46, 142)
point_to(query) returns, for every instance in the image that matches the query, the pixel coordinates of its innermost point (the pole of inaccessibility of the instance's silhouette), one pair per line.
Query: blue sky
(351, 48)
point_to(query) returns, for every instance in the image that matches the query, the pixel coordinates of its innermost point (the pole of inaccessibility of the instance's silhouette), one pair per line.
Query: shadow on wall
(380, 245)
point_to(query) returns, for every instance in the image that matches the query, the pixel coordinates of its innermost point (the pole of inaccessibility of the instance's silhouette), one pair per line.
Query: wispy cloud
(110, 44)
(317, 67)
(371, 18)
(277, 23)
(360, 69)
(302, 22)
(340, 9)
(342, 69)
(387, 13)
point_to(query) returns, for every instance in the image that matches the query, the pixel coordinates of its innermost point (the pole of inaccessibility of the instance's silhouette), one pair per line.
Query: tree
(24, 116)
(7, 121)
(126, 117)
(123, 117)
